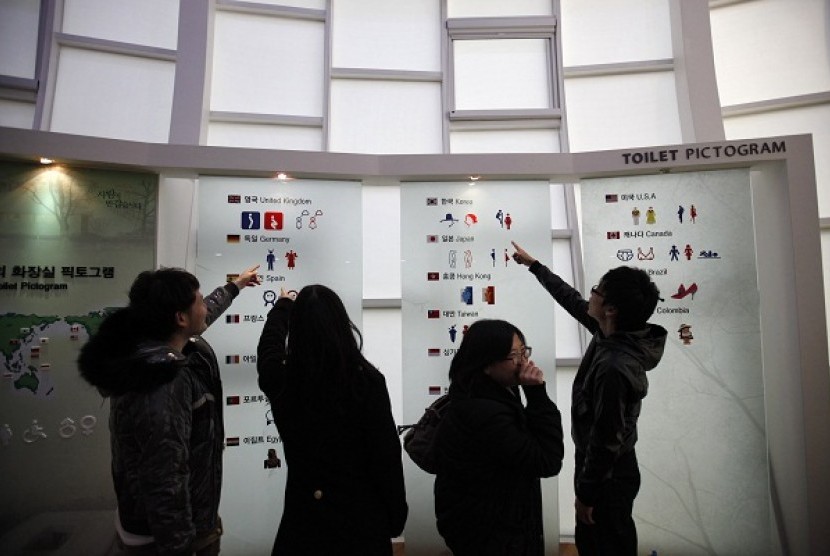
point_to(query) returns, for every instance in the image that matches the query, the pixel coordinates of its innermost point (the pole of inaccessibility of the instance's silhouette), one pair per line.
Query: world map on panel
(24, 345)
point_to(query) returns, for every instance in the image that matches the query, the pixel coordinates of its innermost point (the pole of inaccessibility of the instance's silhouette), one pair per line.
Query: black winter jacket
(607, 391)
(166, 429)
(345, 489)
(492, 452)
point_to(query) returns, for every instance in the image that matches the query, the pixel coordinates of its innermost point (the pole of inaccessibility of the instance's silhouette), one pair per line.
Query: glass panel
(642, 111)
(74, 240)
(568, 342)
(149, 22)
(382, 242)
(267, 65)
(751, 68)
(495, 8)
(110, 95)
(558, 208)
(813, 120)
(457, 270)
(706, 396)
(505, 141)
(16, 114)
(825, 260)
(381, 34)
(501, 74)
(311, 4)
(18, 37)
(385, 117)
(602, 32)
(301, 232)
(265, 136)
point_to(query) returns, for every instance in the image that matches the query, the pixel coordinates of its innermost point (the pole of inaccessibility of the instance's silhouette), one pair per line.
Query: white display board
(299, 232)
(703, 446)
(457, 269)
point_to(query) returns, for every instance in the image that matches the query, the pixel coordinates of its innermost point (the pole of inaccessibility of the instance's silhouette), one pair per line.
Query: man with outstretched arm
(606, 399)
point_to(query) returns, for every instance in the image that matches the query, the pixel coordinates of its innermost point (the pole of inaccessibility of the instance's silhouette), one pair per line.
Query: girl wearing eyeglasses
(493, 449)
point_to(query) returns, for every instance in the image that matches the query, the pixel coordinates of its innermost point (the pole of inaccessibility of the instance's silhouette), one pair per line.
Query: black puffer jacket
(492, 452)
(166, 430)
(608, 389)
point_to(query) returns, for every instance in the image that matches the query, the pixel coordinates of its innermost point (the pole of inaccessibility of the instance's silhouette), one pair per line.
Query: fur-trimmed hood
(116, 361)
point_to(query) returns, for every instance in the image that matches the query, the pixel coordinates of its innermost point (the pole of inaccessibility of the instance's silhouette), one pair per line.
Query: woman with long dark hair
(492, 450)
(345, 488)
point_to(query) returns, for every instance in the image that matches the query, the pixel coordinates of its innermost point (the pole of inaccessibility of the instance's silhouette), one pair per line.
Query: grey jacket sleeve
(219, 300)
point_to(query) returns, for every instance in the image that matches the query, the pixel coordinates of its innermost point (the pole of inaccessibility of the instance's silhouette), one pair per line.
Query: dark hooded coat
(166, 430)
(607, 392)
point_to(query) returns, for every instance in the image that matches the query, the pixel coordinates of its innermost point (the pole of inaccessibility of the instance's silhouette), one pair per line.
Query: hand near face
(530, 374)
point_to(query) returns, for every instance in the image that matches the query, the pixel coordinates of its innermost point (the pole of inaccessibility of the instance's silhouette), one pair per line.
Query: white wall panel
(771, 48)
(603, 32)
(387, 34)
(558, 208)
(311, 4)
(385, 117)
(622, 111)
(382, 347)
(265, 136)
(813, 119)
(16, 114)
(567, 329)
(109, 95)
(382, 241)
(501, 74)
(18, 37)
(267, 65)
(825, 262)
(505, 141)
(498, 8)
(149, 22)
(567, 516)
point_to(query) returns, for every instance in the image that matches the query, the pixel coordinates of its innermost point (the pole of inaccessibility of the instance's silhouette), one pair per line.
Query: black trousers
(613, 532)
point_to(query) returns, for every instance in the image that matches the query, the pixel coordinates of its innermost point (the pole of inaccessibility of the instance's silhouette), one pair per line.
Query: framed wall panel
(637, 29)
(643, 109)
(267, 64)
(86, 83)
(385, 117)
(380, 34)
(148, 23)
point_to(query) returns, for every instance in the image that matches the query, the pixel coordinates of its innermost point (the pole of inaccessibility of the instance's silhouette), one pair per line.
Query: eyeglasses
(524, 353)
(596, 291)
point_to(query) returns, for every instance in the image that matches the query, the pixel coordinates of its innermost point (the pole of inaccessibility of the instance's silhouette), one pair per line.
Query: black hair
(324, 346)
(155, 298)
(484, 343)
(633, 294)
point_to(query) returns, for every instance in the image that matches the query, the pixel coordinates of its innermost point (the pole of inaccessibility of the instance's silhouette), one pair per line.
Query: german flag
(233, 238)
